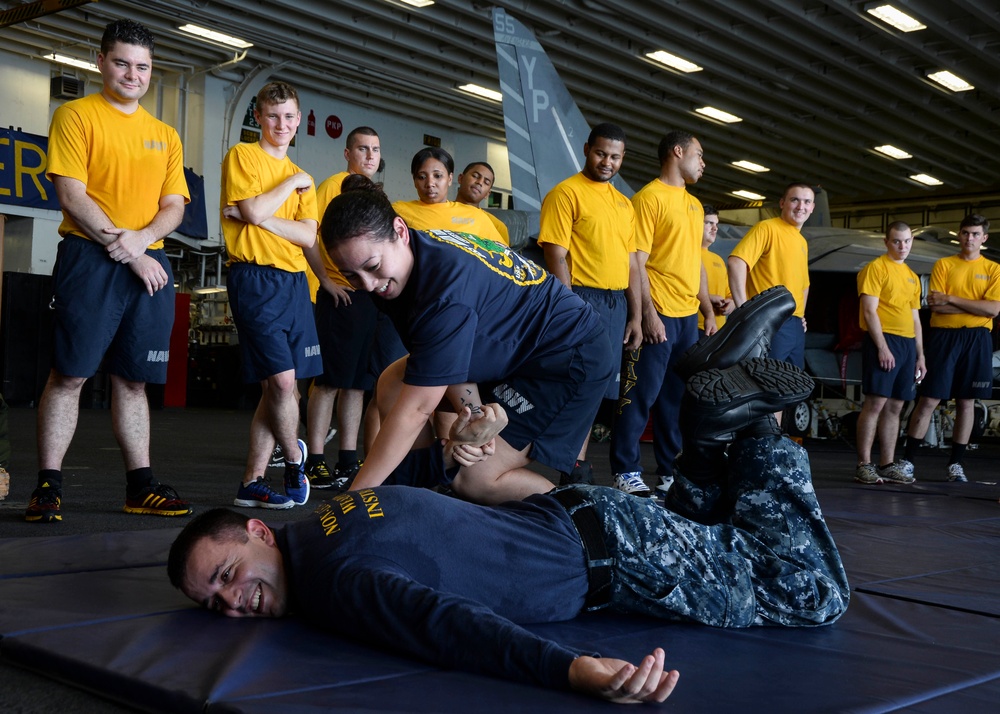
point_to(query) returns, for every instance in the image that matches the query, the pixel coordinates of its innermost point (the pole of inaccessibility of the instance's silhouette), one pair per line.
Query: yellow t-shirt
(718, 282)
(595, 222)
(776, 254)
(448, 215)
(249, 171)
(501, 228)
(326, 192)
(898, 291)
(128, 162)
(669, 223)
(977, 279)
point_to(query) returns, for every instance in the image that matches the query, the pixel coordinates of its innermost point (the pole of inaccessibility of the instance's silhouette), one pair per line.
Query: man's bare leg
(868, 426)
(58, 412)
(130, 420)
(501, 477)
(888, 430)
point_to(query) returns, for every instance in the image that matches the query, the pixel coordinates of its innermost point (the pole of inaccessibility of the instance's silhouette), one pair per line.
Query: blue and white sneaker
(632, 483)
(296, 479)
(259, 494)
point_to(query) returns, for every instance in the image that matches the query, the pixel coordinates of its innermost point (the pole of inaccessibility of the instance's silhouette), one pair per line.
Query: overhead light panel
(72, 61)
(491, 94)
(750, 166)
(926, 180)
(206, 34)
(673, 61)
(895, 17)
(950, 81)
(749, 195)
(718, 115)
(892, 152)
(417, 3)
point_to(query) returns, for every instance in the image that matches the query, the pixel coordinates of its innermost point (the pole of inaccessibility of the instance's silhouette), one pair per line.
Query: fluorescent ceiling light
(749, 195)
(926, 180)
(895, 17)
(214, 36)
(718, 114)
(950, 81)
(483, 92)
(72, 61)
(673, 61)
(893, 152)
(417, 3)
(750, 166)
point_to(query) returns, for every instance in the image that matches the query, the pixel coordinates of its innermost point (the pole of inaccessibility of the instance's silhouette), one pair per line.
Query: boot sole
(773, 383)
(703, 352)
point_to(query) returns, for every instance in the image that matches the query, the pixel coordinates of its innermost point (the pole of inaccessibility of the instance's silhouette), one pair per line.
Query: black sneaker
(157, 499)
(342, 477)
(581, 473)
(319, 475)
(44, 506)
(277, 458)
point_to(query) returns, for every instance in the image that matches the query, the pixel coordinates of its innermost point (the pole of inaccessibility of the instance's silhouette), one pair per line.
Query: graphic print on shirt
(496, 256)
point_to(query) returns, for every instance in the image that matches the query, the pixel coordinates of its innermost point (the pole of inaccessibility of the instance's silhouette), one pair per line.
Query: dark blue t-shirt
(360, 566)
(476, 311)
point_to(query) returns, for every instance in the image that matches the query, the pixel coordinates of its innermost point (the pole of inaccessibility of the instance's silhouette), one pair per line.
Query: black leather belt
(588, 525)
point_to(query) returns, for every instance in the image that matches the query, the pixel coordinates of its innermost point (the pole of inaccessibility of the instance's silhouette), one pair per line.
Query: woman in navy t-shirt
(476, 318)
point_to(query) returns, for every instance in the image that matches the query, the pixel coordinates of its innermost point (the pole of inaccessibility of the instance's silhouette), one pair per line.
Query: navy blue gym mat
(922, 633)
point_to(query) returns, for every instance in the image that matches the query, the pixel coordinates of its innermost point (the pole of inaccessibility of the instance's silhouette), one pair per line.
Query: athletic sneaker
(665, 483)
(296, 481)
(259, 494)
(906, 466)
(277, 458)
(631, 482)
(867, 473)
(956, 473)
(157, 499)
(581, 473)
(319, 475)
(342, 477)
(44, 505)
(896, 473)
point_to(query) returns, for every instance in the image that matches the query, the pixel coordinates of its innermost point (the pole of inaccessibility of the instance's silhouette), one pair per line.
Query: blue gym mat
(921, 634)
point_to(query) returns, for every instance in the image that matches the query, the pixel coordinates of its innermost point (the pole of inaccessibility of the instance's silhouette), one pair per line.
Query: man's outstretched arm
(622, 682)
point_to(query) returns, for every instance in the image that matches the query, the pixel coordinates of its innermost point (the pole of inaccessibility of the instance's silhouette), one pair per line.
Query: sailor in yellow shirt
(119, 175)
(964, 299)
(432, 169)
(715, 272)
(346, 323)
(268, 217)
(673, 291)
(774, 252)
(587, 233)
(892, 355)
(474, 184)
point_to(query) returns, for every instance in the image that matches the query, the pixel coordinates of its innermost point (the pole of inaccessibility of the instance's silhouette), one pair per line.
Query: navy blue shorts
(275, 322)
(611, 307)
(346, 334)
(898, 382)
(789, 342)
(102, 307)
(552, 402)
(959, 364)
(388, 346)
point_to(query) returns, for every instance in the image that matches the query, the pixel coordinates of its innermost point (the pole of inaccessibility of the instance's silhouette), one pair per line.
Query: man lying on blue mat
(742, 542)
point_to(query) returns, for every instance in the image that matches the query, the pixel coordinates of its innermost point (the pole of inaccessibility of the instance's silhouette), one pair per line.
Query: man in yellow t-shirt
(346, 323)
(587, 233)
(119, 176)
(892, 355)
(474, 184)
(964, 299)
(268, 217)
(673, 290)
(774, 252)
(715, 271)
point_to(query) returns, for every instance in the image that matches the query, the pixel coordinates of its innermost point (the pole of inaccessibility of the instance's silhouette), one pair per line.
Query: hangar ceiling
(818, 84)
